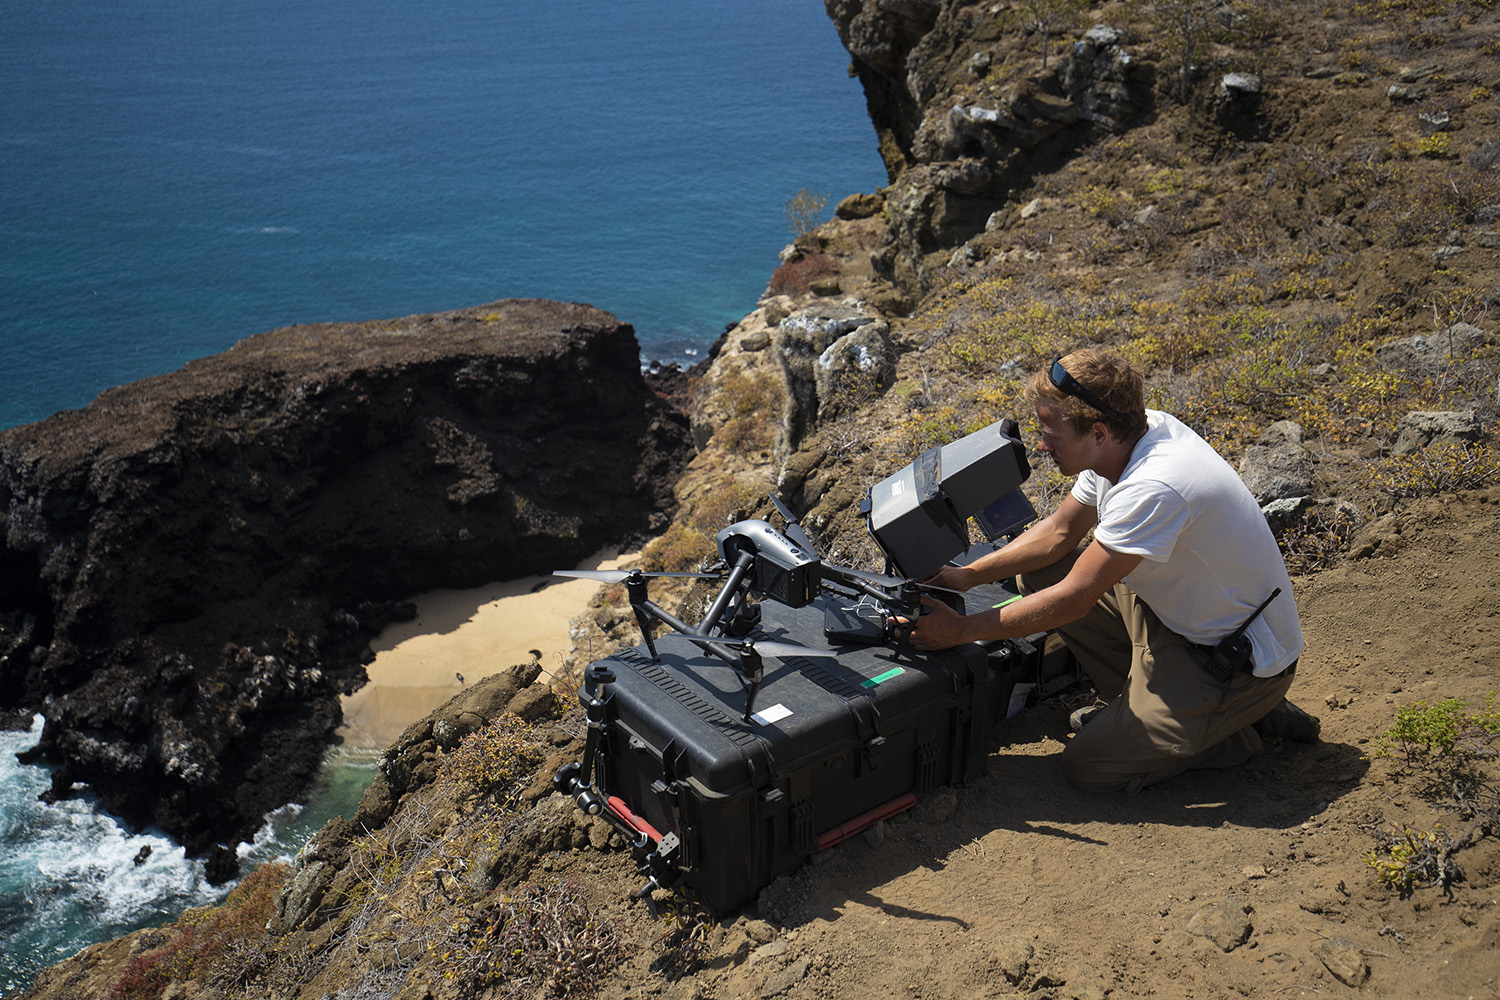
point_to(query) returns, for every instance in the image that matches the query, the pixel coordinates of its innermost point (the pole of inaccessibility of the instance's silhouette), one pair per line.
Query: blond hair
(1113, 380)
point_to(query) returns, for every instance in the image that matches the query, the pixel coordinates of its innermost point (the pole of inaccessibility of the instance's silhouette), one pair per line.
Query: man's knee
(1091, 772)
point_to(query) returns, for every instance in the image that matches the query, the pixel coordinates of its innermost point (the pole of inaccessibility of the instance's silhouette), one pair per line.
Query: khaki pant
(1165, 714)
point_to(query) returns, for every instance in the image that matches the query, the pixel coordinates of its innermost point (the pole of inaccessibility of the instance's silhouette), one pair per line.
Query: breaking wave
(72, 875)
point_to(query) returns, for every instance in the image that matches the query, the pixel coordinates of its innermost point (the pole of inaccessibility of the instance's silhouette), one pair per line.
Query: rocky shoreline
(194, 564)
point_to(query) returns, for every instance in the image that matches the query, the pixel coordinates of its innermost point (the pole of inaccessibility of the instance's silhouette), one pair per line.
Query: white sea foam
(69, 874)
(69, 860)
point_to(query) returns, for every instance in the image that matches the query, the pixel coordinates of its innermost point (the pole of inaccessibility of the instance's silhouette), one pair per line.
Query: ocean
(176, 175)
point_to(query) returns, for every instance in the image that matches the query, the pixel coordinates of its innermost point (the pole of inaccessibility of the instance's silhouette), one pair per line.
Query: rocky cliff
(193, 565)
(959, 135)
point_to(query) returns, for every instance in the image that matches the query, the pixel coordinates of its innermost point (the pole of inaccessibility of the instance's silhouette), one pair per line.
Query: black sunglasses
(1070, 385)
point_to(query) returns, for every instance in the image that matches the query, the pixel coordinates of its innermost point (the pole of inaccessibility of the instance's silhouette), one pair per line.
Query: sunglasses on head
(1066, 383)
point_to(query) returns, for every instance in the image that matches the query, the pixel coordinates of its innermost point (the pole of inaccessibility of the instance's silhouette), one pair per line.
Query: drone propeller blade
(616, 575)
(881, 580)
(781, 508)
(794, 531)
(780, 650)
(933, 586)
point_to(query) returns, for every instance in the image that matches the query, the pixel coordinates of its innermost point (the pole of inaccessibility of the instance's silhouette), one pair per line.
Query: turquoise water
(178, 174)
(69, 874)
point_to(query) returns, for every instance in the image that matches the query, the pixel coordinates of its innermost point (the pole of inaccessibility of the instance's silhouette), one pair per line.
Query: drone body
(783, 572)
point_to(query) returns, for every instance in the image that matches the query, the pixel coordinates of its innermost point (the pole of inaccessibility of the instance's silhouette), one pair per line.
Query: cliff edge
(193, 565)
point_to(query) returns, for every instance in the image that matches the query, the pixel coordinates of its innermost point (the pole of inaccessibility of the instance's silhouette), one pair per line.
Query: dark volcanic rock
(193, 565)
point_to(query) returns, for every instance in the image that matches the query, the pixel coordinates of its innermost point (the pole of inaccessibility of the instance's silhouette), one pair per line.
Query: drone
(706, 799)
(758, 562)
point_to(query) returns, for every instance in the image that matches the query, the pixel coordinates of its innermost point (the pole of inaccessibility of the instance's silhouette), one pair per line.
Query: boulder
(1422, 429)
(1344, 960)
(826, 350)
(860, 206)
(1277, 466)
(1225, 923)
(1453, 345)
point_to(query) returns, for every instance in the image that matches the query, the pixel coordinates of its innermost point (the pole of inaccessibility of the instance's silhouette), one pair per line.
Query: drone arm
(742, 564)
(635, 589)
(853, 582)
(655, 611)
(752, 673)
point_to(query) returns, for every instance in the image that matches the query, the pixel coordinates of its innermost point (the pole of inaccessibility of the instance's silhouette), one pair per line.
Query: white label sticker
(775, 713)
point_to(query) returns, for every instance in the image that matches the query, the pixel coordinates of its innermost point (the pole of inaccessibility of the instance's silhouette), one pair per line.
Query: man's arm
(1042, 544)
(1096, 571)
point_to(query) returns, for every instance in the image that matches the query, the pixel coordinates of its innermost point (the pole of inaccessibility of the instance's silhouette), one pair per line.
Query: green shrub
(1424, 733)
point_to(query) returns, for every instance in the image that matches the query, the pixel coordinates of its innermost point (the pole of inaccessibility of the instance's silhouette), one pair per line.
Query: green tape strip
(1010, 601)
(883, 677)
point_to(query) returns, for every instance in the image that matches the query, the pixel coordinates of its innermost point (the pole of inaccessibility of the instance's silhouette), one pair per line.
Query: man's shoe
(1289, 721)
(1081, 716)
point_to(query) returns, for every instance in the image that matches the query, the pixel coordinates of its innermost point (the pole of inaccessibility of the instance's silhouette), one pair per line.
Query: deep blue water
(178, 174)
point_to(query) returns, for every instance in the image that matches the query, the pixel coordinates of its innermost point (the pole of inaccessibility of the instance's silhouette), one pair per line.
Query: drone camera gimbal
(782, 570)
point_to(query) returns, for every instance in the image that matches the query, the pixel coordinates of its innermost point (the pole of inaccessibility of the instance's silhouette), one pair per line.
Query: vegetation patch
(1448, 748)
(796, 277)
(495, 761)
(534, 940)
(753, 401)
(1441, 468)
(1318, 539)
(1447, 733)
(204, 940)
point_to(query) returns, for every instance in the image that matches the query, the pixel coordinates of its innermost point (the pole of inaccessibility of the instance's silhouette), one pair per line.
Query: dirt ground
(1019, 885)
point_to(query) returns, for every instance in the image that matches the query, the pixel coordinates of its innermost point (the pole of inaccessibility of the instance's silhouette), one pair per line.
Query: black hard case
(868, 734)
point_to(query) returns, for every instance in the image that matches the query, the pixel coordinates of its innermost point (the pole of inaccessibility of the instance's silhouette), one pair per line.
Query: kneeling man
(1181, 557)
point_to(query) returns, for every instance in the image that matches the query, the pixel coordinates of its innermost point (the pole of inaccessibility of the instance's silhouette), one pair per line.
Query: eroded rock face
(958, 137)
(193, 565)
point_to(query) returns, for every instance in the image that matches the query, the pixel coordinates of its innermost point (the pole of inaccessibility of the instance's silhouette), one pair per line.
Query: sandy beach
(458, 637)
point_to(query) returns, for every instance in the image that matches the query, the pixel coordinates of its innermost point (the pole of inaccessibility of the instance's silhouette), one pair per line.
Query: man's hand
(940, 628)
(953, 578)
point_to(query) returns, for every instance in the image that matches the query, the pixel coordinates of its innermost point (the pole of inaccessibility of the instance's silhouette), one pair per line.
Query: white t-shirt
(1208, 558)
